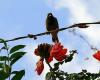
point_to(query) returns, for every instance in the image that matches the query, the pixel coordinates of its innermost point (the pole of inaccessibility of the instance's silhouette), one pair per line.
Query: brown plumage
(52, 24)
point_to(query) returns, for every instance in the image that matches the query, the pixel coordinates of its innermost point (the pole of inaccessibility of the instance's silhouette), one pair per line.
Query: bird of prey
(52, 24)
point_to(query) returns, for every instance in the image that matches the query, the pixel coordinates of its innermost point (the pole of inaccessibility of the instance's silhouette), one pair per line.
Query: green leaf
(48, 76)
(14, 60)
(56, 66)
(18, 75)
(16, 48)
(17, 54)
(3, 58)
(6, 68)
(3, 41)
(84, 71)
(15, 57)
(1, 65)
(69, 58)
(61, 78)
(3, 75)
(14, 72)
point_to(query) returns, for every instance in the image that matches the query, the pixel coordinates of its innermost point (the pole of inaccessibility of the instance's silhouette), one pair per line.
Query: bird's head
(49, 15)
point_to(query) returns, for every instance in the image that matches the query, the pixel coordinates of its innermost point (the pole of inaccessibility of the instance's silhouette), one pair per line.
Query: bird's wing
(56, 23)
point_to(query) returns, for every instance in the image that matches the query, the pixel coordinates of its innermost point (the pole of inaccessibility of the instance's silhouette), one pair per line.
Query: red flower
(50, 59)
(47, 52)
(36, 52)
(97, 55)
(40, 67)
(58, 52)
(43, 50)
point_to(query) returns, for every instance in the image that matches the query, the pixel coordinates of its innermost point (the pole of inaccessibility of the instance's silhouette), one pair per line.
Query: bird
(52, 24)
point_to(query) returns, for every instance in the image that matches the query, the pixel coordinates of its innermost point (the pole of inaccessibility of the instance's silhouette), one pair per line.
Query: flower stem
(8, 64)
(51, 69)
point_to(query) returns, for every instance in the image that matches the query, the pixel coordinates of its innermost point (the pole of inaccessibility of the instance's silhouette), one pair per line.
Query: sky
(22, 17)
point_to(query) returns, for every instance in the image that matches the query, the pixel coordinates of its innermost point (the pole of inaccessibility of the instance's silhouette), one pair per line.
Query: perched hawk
(52, 24)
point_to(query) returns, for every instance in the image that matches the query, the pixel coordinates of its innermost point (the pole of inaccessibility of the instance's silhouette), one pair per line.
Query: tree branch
(48, 32)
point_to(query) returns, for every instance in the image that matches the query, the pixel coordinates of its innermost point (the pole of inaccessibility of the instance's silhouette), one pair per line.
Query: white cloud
(77, 9)
(80, 13)
(77, 64)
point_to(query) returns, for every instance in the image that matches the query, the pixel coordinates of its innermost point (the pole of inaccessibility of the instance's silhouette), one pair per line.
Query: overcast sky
(21, 17)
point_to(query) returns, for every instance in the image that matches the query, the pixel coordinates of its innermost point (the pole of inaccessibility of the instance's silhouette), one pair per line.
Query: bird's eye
(50, 14)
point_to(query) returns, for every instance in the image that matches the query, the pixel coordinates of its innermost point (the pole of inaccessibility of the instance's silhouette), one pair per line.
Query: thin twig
(51, 69)
(48, 32)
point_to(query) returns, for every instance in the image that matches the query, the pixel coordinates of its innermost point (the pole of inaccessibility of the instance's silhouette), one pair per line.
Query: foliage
(8, 60)
(61, 75)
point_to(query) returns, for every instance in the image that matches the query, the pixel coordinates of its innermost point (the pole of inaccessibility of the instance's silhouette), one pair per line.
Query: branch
(48, 32)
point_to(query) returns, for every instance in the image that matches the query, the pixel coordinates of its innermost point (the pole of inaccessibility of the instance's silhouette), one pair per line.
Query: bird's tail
(55, 38)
